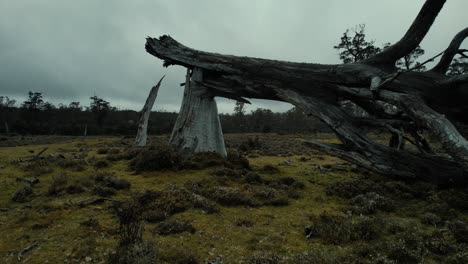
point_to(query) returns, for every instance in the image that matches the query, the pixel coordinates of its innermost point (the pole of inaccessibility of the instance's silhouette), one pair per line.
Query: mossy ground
(56, 224)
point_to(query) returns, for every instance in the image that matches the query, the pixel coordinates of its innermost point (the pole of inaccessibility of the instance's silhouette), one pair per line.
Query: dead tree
(425, 100)
(198, 128)
(142, 133)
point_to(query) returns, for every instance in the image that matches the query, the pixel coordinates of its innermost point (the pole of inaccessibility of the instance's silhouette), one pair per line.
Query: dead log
(198, 128)
(90, 201)
(142, 133)
(26, 180)
(41, 152)
(26, 250)
(427, 100)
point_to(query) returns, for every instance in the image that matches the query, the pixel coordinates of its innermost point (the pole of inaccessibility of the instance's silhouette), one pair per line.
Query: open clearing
(292, 204)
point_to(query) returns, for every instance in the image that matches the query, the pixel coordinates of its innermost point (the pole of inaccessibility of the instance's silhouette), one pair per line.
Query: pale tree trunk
(197, 128)
(142, 133)
(85, 133)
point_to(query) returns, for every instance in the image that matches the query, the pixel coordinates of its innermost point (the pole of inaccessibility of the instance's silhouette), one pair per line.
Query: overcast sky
(70, 50)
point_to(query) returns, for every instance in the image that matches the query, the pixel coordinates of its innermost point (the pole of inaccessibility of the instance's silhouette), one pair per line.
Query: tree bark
(425, 100)
(142, 133)
(198, 128)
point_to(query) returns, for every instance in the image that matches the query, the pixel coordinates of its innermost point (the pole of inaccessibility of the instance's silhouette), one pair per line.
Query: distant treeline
(37, 117)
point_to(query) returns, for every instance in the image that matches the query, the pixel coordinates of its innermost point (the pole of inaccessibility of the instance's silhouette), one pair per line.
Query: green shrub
(317, 255)
(179, 256)
(163, 158)
(459, 230)
(72, 164)
(103, 191)
(173, 227)
(204, 160)
(154, 216)
(409, 247)
(102, 151)
(101, 163)
(262, 257)
(230, 196)
(370, 203)
(271, 169)
(58, 184)
(137, 253)
(339, 228)
(22, 194)
(111, 181)
(237, 161)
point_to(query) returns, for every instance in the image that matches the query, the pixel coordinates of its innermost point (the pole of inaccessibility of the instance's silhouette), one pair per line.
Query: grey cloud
(70, 50)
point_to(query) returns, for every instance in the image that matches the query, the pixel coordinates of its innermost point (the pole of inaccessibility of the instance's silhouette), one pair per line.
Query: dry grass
(238, 232)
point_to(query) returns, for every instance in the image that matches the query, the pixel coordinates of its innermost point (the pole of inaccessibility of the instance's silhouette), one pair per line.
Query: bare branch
(451, 51)
(413, 36)
(446, 133)
(456, 80)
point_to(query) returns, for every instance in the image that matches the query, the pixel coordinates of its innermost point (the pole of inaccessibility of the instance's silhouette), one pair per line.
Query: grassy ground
(351, 215)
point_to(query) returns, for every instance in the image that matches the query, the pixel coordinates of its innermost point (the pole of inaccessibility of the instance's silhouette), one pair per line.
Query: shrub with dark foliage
(173, 227)
(339, 228)
(132, 248)
(152, 159)
(22, 194)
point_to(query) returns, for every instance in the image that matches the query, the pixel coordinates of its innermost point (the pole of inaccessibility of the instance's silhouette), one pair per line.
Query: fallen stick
(26, 250)
(90, 201)
(40, 152)
(30, 181)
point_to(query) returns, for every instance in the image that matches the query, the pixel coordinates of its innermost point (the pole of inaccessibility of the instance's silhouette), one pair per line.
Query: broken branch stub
(142, 133)
(197, 128)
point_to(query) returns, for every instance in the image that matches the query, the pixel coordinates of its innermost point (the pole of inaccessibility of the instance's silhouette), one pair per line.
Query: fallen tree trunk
(425, 100)
(142, 133)
(197, 128)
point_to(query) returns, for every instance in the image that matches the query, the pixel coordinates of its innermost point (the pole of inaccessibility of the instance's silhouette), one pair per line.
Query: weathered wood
(413, 37)
(424, 100)
(357, 148)
(198, 128)
(452, 141)
(450, 52)
(26, 250)
(41, 152)
(30, 181)
(142, 133)
(90, 201)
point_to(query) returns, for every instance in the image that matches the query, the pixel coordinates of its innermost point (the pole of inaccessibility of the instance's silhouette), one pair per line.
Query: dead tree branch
(451, 51)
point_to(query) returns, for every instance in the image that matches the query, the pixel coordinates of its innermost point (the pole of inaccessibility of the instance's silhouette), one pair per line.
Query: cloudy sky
(70, 50)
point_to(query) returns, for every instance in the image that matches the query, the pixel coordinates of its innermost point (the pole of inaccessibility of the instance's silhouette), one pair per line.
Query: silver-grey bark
(197, 128)
(142, 133)
(421, 100)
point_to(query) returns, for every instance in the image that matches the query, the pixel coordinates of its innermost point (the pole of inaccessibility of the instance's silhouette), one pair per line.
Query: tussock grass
(260, 227)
